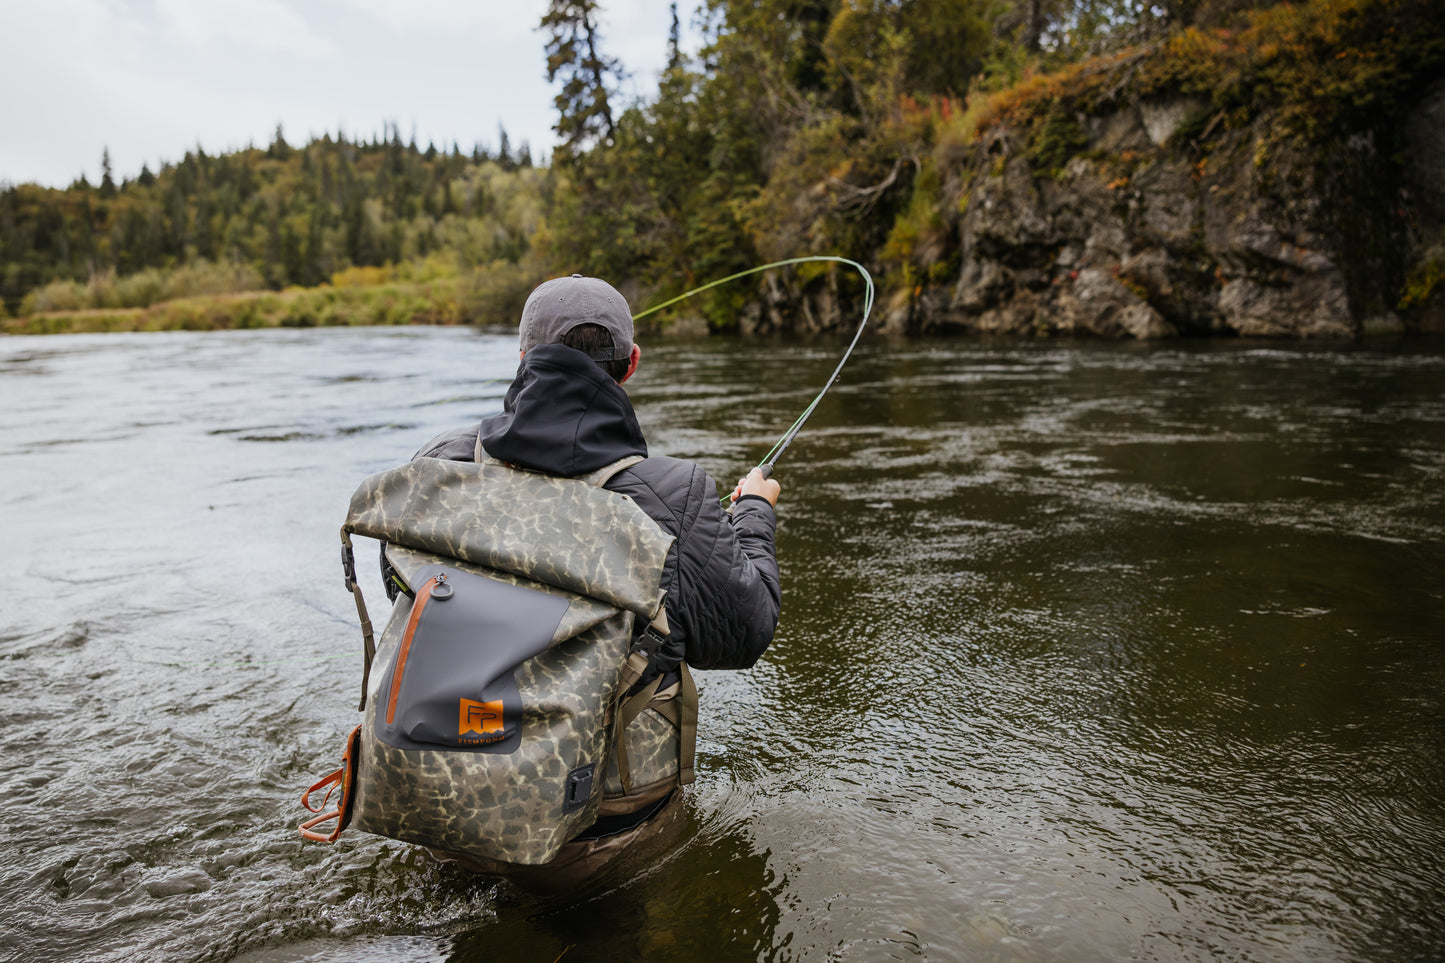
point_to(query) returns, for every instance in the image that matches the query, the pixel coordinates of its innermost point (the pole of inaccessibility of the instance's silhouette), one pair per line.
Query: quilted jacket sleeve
(724, 593)
(737, 595)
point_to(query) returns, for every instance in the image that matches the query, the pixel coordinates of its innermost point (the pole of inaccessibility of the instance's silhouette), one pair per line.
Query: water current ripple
(1089, 652)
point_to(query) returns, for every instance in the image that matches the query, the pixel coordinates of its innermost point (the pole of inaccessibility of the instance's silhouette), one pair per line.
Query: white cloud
(496, 21)
(64, 62)
(152, 79)
(262, 25)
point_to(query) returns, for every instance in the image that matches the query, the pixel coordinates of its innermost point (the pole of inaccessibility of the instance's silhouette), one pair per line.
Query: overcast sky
(152, 79)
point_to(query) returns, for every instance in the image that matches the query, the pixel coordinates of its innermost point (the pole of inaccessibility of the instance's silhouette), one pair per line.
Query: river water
(1089, 652)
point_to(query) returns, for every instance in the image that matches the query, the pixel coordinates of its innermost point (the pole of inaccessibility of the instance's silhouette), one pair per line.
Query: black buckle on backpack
(649, 642)
(348, 565)
(389, 578)
(579, 787)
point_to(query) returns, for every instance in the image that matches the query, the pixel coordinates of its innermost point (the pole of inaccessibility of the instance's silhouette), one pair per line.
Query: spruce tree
(107, 182)
(584, 108)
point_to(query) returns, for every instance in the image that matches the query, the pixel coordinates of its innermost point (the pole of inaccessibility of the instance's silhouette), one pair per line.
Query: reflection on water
(1089, 651)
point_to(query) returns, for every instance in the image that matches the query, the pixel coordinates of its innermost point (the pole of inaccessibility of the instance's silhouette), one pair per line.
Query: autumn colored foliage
(802, 126)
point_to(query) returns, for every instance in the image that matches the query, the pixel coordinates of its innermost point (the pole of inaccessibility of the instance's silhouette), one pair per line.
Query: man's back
(563, 415)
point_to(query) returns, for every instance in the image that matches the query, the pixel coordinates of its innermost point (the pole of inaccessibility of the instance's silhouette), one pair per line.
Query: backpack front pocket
(452, 685)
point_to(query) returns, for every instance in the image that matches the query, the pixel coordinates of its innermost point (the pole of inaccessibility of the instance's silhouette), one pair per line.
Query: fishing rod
(771, 458)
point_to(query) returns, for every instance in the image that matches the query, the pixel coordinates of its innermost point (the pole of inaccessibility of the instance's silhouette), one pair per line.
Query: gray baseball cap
(559, 305)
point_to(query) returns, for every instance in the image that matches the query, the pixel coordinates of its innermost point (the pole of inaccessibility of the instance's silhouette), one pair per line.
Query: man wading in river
(566, 414)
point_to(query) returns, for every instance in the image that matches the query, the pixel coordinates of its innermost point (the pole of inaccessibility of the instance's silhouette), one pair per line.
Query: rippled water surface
(1088, 652)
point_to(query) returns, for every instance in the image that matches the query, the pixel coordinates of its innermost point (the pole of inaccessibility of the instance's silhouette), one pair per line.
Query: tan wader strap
(687, 706)
(682, 713)
(638, 660)
(368, 640)
(630, 708)
(680, 710)
(632, 670)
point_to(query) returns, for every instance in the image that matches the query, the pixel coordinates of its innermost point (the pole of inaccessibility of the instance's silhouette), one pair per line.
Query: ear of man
(632, 362)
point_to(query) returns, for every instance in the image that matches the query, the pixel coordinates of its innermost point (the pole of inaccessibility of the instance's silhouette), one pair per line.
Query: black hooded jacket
(563, 415)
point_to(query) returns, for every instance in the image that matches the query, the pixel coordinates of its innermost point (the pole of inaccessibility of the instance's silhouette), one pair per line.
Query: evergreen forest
(849, 127)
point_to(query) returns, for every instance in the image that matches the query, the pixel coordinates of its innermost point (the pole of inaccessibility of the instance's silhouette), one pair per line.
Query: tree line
(266, 218)
(799, 126)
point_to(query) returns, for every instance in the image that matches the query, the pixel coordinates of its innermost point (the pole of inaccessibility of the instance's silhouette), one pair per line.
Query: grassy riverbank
(482, 297)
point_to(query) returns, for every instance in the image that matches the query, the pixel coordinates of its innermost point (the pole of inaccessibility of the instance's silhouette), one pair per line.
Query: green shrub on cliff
(1425, 282)
(1329, 66)
(1056, 138)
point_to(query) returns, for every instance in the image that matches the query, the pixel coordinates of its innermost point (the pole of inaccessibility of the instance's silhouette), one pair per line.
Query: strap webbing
(604, 474)
(687, 704)
(680, 710)
(629, 710)
(636, 664)
(344, 779)
(368, 640)
(598, 478)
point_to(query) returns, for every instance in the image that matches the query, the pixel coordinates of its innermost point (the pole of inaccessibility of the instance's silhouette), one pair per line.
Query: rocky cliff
(1282, 179)
(1142, 234)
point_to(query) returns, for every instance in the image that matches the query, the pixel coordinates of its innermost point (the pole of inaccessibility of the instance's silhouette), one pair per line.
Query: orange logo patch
(479, 717)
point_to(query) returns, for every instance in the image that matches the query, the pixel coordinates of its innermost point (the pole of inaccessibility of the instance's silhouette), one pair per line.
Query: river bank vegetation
(1014, 166)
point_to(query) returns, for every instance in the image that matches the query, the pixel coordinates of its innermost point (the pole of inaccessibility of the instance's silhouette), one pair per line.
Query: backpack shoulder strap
(598, 478)
(604, 474)
(368, 642)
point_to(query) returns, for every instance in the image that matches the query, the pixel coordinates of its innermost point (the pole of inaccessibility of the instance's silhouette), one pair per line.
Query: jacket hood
(563, 415)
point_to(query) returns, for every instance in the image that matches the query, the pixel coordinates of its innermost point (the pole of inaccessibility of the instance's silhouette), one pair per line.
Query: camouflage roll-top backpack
(499, 723)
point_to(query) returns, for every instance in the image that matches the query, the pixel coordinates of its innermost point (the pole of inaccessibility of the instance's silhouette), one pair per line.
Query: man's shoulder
(666, 472)
(456, 444)
(664, 487)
